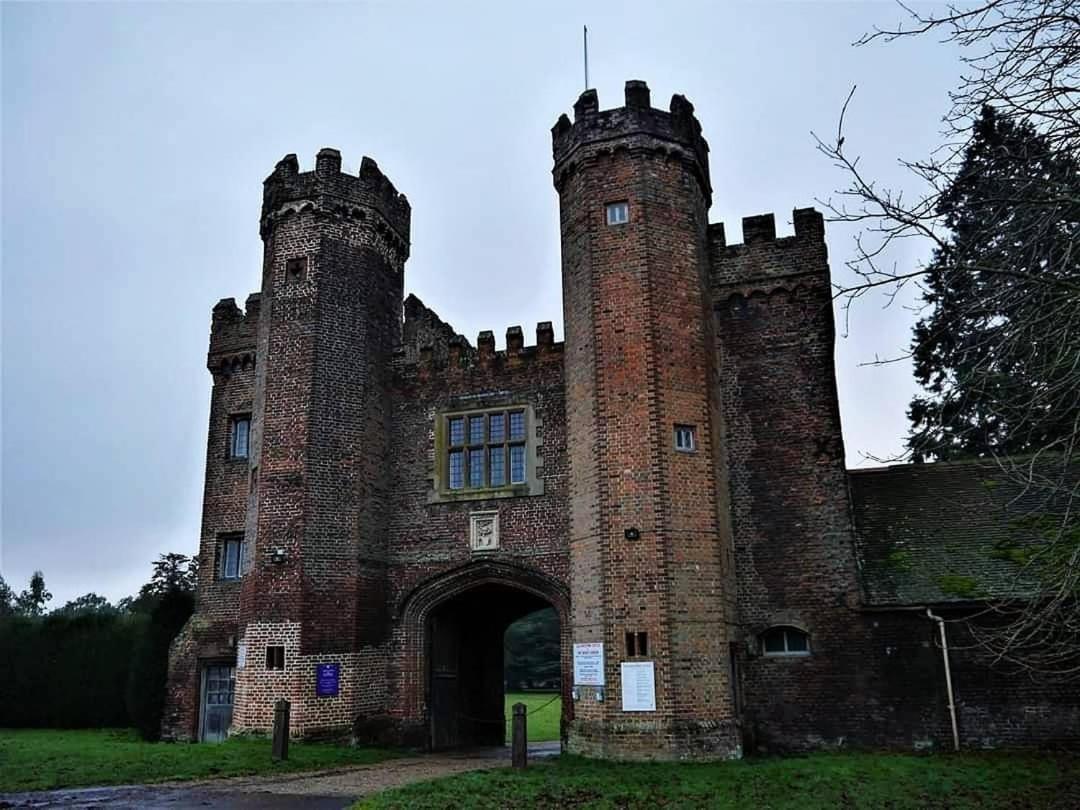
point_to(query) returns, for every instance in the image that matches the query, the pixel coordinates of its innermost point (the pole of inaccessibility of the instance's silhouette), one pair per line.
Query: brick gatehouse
(383, 497)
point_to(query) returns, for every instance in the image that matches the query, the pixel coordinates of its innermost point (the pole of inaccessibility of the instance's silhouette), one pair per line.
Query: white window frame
(689, 431)
(786, 652)
(234, 421)
(617, 213)
(223, 556)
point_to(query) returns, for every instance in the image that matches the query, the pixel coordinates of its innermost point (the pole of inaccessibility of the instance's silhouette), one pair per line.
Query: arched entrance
(457, 622)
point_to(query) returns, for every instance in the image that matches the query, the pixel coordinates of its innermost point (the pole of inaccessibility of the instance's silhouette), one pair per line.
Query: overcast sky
(136, 139)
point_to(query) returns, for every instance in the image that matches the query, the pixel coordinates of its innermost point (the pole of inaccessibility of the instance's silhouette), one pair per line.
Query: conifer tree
(998, 350)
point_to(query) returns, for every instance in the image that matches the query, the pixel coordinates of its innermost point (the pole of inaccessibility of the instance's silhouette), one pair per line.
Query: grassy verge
(544, 712)
(864, 780)
(42, 759)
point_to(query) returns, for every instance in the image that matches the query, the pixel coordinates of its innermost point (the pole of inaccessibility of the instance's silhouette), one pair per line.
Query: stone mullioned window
(486, 453)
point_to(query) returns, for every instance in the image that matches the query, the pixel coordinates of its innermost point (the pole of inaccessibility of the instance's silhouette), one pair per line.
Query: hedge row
(88, 671)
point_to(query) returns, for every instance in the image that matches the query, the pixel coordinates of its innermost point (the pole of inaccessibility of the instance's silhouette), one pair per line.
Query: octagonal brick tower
(650, 537)
(335, 246)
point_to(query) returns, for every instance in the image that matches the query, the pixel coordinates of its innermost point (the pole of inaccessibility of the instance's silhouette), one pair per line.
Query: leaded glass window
(517, 463)
(476, 467)
(497, 467)
(457, 431)
(497, 427)
(517, 425)
(486, 450)
(457, 469)
(476, 430)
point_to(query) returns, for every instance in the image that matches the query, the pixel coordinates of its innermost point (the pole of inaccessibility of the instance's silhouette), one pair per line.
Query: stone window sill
(485, 494)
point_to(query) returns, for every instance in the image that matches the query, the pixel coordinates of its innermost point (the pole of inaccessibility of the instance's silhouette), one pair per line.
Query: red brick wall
(212, 631)
(326, 340)
(793, 535)
(637, 345)
(665, 324)
(429, 555)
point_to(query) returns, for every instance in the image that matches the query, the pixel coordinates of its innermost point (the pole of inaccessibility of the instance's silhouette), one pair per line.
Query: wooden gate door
(445, 703)
(218, 683)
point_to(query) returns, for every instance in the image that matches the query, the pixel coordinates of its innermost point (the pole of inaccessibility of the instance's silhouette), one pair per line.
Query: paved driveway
(323, 790)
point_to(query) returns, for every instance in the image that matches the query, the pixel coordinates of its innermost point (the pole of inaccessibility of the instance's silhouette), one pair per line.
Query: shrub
(150, 662)
(66, 671)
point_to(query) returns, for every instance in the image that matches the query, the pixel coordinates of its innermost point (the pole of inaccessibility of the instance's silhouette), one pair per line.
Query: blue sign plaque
(327, 677)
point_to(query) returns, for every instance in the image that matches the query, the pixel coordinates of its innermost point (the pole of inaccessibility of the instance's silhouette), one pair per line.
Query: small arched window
(785, 641)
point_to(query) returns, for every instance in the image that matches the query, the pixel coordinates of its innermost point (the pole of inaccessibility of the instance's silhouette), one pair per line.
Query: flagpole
(585, 39)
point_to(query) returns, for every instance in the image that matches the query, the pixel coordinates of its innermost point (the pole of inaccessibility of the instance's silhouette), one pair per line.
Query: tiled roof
(954, 532)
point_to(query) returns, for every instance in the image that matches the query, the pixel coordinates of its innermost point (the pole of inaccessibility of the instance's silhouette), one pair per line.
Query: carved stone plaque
(484, 531)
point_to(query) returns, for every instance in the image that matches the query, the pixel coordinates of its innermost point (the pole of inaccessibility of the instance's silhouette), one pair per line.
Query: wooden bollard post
(280, 749)
(519, 750)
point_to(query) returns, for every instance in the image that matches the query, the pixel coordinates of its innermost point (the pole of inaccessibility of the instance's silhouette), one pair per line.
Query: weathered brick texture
(358, 555)
(638, 343)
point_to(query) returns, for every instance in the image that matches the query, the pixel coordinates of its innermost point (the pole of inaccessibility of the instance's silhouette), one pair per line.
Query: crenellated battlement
(334, 193)
(637, 126)
(233, 334)
(763, 261)
(456, 355)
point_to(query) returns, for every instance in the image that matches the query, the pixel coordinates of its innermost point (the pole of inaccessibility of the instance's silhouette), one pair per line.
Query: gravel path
(321, 790)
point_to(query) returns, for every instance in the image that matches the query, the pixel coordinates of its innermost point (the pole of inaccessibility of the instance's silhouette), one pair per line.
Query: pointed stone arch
(480, 577)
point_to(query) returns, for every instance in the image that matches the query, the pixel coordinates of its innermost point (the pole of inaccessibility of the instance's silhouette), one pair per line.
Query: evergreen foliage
(150, 662)
(997, 352)
(7, 599)
(88, 603)
(65, 671)
(31, 602)
(532, 651)
(90, 664)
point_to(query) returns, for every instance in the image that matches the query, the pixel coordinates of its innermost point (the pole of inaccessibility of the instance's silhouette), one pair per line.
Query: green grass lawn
(41, 759)
(544, 712)
(854, 780)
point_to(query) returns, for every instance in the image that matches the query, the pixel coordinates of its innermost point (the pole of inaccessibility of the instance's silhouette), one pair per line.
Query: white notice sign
(589, 664)
(241, 656)
(638, 686)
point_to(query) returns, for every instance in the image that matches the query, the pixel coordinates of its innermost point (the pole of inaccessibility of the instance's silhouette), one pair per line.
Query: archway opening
(467, 675)
(532, 672)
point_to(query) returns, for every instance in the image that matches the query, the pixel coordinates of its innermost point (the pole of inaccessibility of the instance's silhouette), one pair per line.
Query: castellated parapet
(331, 193)
(233, 334)
(384, 497)
(763, 262)
(637, 126)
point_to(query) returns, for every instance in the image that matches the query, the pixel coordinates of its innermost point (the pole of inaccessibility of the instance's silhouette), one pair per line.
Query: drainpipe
(948, 677)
